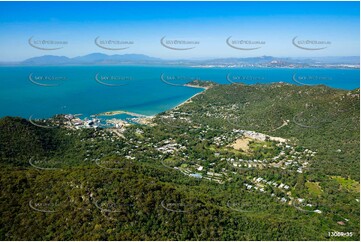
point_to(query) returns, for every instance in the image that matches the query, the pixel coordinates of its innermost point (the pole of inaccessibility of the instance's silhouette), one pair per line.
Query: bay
(43, 91)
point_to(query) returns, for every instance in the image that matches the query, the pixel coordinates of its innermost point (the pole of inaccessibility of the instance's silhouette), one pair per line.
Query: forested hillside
(150, 183)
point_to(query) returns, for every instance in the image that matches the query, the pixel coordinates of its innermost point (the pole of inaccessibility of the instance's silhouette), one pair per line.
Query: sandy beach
(145, 119)
(187, 101)
(117, 112)
(190, 99)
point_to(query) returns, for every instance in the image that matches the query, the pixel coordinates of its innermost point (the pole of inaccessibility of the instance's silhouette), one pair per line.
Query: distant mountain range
(103, 59)
(91, 59)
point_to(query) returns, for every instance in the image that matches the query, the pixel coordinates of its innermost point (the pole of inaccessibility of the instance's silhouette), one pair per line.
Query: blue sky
(210, 23)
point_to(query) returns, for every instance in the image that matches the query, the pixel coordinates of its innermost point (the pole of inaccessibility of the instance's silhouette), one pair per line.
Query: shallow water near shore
(42, 92)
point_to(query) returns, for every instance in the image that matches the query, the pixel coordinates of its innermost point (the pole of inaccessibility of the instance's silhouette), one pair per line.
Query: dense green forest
(59, 183)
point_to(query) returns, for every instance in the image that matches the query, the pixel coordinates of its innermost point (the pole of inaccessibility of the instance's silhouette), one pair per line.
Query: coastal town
(200, 144)
(189, 144)
(180, 120)
(230, 151)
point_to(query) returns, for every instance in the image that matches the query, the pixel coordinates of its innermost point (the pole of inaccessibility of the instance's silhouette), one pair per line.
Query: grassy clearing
(314, 188)
(348, 183)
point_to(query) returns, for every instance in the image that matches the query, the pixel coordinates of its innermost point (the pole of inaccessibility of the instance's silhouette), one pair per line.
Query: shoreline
(119, 112)
(143, 116)
(190, 99)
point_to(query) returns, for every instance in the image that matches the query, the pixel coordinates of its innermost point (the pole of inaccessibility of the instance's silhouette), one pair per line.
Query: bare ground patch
(242, 144)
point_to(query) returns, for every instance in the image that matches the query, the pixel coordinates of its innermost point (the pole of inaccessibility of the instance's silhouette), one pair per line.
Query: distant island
(139, 59)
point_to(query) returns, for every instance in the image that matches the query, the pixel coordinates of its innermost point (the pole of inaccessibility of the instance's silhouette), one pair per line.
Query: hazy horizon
(187, 59)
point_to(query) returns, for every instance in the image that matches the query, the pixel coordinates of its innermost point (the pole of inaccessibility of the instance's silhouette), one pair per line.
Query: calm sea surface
(45, 91)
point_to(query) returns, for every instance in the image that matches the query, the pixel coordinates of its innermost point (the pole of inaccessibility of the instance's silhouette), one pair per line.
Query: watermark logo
(310, 119)
(179, 207)
(44, 164)
(237, 79)
(113, 44)
(245, 44)
(175, 80)
(178, 44)
(110, 202)
(244, 122)
(42, 123)
(245, 206)
(111, 206)
(43, 44)
(169, 163)
(307, 44)
(48, 194)
(241, 117)
(46, 206)
(46, 80)
(173, 122)
(244, 165)
(48, 199)
(112, 164)
(302, 80)
(303, 206)
(112, 80)
(57, 121)
(313, 115)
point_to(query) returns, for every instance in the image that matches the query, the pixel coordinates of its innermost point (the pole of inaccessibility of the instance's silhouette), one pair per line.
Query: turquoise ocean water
(45, 91)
